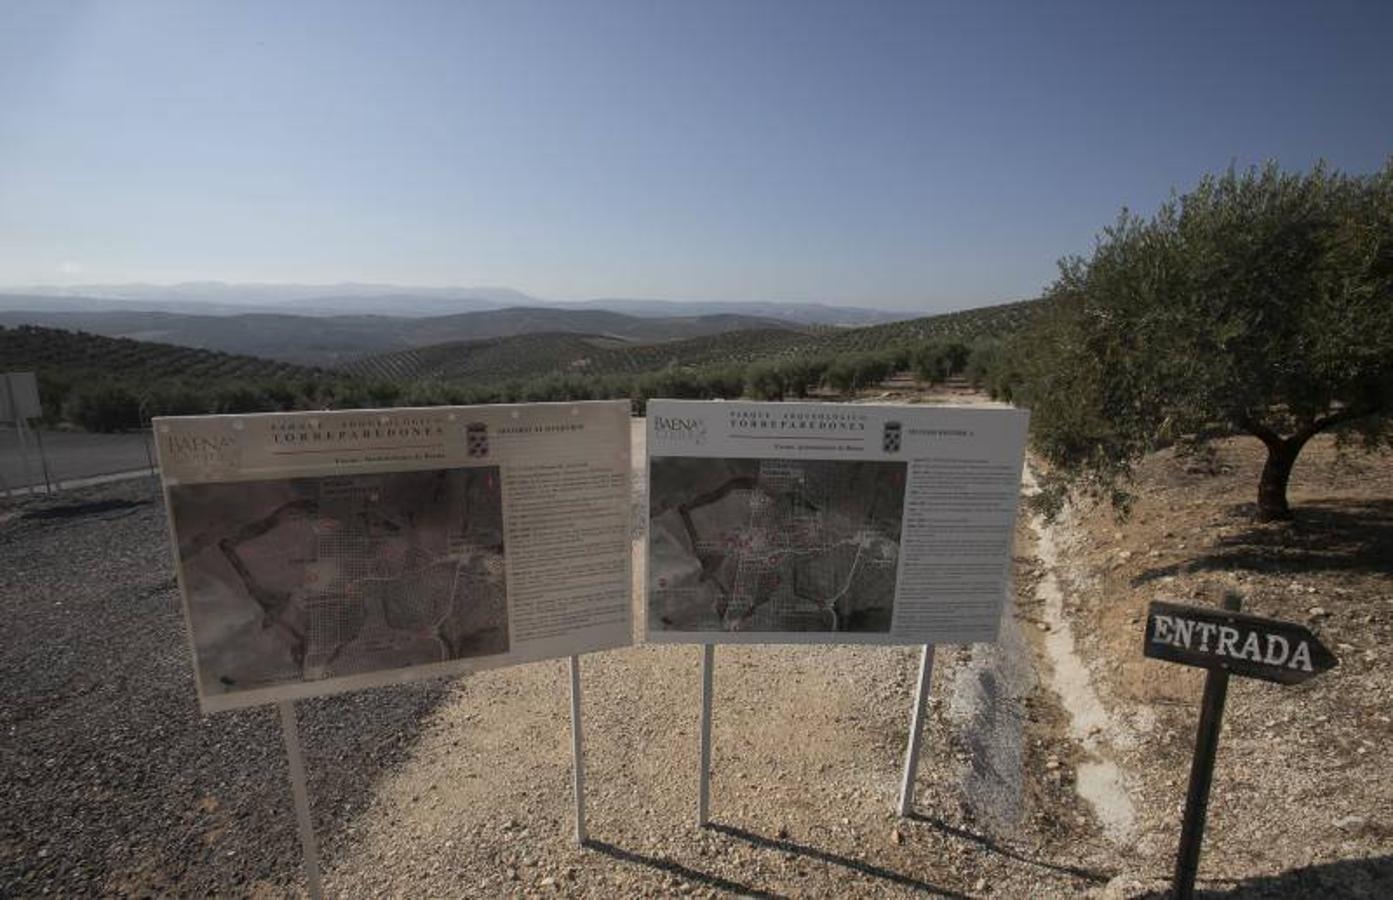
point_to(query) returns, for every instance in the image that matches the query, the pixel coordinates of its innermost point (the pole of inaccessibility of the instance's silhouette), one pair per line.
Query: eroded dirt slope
(1302, 801)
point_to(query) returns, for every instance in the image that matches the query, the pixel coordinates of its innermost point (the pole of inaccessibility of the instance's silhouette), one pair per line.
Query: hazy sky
(918, 155)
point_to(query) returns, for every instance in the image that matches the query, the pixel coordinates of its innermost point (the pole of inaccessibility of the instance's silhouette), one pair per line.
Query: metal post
(149, 428)
(577, 750)
(302, 798)
(1187, 860)
(916, 731)
(43, 460)
(708, 663)
(31, 484)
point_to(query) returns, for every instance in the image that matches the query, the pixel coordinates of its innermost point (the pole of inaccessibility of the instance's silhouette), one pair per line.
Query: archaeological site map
(774, 545)
(309, 578)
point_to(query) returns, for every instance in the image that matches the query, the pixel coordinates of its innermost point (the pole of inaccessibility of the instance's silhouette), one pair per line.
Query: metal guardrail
(38, 461)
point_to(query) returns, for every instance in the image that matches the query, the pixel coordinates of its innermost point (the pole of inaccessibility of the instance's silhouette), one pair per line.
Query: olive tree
(1260, 303)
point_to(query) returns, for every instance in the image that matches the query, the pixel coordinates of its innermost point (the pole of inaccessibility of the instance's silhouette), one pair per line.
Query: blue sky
(917, 155)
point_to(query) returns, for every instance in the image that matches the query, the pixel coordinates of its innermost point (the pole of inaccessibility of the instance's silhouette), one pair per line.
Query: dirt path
(1100, 779)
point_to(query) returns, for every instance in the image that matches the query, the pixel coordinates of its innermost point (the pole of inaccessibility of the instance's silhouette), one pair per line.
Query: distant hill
(73, 356)
(532, 355)
(218, 298)
(106, 383)
(798, 313)
(331, 340)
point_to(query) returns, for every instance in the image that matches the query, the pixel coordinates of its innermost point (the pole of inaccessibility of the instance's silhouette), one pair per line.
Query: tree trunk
(1272, 488)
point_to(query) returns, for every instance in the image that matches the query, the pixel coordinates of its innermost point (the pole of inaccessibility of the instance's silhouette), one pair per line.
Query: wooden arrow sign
(1235, 642)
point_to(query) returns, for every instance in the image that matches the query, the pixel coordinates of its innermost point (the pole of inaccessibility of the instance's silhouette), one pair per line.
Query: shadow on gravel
(1333, 535)
(1001, 850)
(783, 845)
(1353, 878)
(91, 508)
(681, 871)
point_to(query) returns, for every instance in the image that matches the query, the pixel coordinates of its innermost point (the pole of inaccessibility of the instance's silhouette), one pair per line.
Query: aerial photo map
(304, 579)
(773, 545)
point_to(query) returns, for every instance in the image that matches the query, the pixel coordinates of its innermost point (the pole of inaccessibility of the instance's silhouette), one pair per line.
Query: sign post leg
(149, 455)
(1187, 860)
(28, 476)
(708, 663)
(916, 732)
(577, 750)
(302, 798)
(43, 460)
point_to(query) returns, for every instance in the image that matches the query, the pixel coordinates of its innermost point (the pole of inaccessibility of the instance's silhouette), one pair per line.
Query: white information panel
(328, 551)
(830, 523)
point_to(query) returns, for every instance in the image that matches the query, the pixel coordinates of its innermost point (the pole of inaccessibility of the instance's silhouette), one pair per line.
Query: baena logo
(201, 449)
(687, 430)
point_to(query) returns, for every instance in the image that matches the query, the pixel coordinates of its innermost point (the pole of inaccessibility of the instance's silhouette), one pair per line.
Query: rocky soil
(1302, 801)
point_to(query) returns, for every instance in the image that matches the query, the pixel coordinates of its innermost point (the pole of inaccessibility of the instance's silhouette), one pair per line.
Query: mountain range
(219, 298)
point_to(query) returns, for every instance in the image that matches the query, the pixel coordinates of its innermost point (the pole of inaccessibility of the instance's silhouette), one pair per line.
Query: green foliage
(54, 388)
(937, 362)
(764, 381)
(983, 360)
(238, 398)
(1260, 302)
(852, 372)
(104, 407)
(177, 400)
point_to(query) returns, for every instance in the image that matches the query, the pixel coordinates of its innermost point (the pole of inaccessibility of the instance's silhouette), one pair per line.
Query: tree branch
(1339, 417)
(1258, 430)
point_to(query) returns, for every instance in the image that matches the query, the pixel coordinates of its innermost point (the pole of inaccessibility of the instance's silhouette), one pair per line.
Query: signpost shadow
(783, 845)
(1370, 877)
(993, 846)
(1335, 535)
(673, 868)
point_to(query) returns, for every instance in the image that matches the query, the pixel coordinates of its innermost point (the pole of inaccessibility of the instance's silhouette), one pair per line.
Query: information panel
(19, 397)
(328, 551)
(830, 523)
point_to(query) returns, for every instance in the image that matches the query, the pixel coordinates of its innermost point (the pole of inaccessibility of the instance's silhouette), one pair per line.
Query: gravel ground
(110, 779)
(112, 783)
